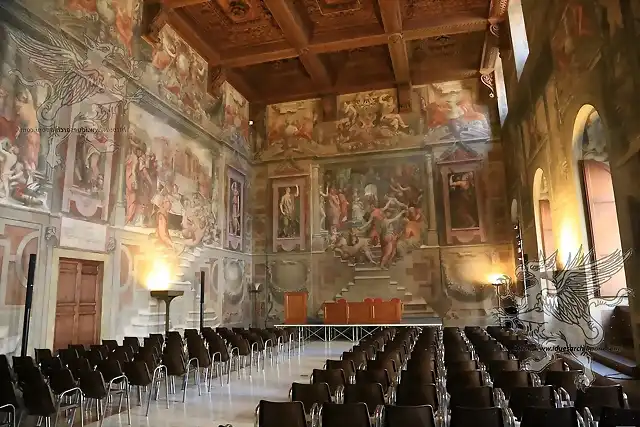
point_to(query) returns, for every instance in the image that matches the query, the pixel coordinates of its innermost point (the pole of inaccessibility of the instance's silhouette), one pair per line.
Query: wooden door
(78, 305)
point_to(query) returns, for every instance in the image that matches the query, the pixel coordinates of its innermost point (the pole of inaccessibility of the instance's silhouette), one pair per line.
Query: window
(501, 91)
(518, 35)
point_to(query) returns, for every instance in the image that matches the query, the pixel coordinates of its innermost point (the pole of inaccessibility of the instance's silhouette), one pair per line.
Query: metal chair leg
(166, 385)
(126, 392)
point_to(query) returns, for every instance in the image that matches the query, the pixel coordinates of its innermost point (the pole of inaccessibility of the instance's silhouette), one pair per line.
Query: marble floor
(234, 403)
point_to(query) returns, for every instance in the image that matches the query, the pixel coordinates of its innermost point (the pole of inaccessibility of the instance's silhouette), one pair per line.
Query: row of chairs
(55, 385)
(447, 377)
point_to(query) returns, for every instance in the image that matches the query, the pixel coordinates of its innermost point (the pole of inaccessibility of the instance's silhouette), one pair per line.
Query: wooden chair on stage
(387, 312)
(336, 313)
(361, 313)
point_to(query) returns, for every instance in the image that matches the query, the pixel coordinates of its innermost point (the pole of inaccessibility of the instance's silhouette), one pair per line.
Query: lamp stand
(167, 297)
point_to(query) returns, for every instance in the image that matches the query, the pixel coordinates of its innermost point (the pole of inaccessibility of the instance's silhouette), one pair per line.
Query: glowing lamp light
(569, 246)
(159, 277)
(497, 279)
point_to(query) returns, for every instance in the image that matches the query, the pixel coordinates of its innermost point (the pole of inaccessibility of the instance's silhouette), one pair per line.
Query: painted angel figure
(69, 76)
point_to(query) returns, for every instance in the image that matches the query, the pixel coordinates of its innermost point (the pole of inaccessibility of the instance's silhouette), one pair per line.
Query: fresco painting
(374, 209)
(180, 74)
(452, 112)
(168, 184)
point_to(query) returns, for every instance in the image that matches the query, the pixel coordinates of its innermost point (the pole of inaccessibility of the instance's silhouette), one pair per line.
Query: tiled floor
(235, 403)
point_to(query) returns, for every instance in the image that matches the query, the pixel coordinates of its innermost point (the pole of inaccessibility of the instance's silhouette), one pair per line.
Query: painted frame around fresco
(284, 244)
(461, 159)
(235, 231)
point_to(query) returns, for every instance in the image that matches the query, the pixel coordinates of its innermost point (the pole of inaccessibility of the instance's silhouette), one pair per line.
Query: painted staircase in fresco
(185, 312)
(372, 281)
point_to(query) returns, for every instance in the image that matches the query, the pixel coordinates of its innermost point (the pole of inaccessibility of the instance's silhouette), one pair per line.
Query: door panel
(78, 307)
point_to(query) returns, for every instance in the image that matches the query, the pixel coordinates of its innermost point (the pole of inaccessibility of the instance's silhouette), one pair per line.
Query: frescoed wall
(425, 222)
(370, 122)
(115, 162)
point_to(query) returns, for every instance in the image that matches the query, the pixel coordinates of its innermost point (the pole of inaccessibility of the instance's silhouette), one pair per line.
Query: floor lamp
(254, 291)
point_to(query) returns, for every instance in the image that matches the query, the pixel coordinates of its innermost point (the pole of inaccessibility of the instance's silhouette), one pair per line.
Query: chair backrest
(473, 397)
(464, 379)
(507, 380)
(345, 414)
(564, 379)
(369, 393)
(468, 417)
(524, 397)
(281, 414)
(358, 357)
(456, 356)
(408, 416)
(333, 377)
(414, 394)
(348, 366)
(597, 397)
(614, 417)
(464, 365)
(503, 365)
(309, 394)
(380, 376)
(557, 417)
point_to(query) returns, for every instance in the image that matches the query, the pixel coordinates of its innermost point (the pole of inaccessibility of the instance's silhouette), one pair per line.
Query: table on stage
(348, 332)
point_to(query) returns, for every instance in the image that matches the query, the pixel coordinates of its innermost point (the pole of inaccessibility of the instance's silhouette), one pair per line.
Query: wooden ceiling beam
(490, 50)
(498, 11)
(392, 22)
(174, 4)
(187, 31)
(322, 44)
(297, 35)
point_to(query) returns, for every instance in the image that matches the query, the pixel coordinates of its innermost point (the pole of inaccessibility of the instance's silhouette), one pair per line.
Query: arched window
(519, 40)
(601, 217)
(501, 90)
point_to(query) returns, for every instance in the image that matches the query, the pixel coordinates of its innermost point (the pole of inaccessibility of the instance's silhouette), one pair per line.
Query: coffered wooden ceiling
(282, 50)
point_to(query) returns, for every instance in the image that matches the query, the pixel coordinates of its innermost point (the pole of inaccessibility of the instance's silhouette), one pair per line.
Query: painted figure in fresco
(385, 211)
(357, 207)
(162, 229)
(411, 236)
(9, 157)
(140, 188)
(463, 203)
(27, 118)
(290, 223)
(452, 113)
(369, 121)
(389, 237)
(89, 163)
(20, 151)
(235, 225)
(344, 206)
(334, 208)
(351, 247)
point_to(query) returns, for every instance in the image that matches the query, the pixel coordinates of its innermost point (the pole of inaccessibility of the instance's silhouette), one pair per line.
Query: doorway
(78, 302)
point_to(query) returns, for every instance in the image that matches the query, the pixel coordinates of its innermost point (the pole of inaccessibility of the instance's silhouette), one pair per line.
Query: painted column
(316, 216)
(122, 142)
(432, 226)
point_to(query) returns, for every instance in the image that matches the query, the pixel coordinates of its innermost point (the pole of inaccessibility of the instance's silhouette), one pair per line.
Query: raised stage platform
(350, 332)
